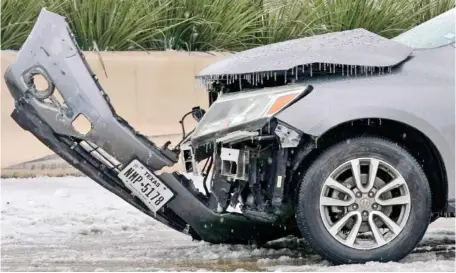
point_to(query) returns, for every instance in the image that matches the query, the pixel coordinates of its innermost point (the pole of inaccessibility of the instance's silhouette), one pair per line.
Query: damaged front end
(249, 149)
(248, 153)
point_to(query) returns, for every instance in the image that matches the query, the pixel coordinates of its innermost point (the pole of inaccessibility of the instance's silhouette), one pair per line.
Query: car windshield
(437, 32)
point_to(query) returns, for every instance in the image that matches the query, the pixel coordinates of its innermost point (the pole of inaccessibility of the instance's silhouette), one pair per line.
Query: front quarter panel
(420, 94)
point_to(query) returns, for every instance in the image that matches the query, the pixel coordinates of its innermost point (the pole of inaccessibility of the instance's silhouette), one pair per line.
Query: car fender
(336, 102)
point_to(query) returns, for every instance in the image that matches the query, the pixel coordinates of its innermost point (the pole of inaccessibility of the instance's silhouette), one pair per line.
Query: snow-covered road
(72, 224)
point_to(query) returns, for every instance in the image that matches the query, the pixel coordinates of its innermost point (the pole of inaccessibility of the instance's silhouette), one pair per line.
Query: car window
(437, 32)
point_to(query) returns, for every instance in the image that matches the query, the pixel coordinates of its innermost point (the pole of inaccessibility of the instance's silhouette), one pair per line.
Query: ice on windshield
(437, 32)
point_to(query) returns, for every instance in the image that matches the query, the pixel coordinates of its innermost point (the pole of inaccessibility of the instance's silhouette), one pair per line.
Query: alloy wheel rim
(365, 203)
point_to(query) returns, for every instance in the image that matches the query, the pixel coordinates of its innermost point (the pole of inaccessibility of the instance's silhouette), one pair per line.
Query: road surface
(73, 224)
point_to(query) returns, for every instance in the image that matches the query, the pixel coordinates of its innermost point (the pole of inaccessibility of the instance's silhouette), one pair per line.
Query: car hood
(357, 47)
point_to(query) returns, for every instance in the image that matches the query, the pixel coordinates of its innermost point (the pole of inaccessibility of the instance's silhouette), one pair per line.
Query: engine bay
(245, 171)
(243, 156)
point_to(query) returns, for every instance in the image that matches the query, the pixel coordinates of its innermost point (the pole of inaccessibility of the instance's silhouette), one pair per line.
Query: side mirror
(198, 113)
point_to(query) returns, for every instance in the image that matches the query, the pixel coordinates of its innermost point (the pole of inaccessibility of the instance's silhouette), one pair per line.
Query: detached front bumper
(111, 143)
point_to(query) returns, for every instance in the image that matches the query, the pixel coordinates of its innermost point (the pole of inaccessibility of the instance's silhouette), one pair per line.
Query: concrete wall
(152, 91)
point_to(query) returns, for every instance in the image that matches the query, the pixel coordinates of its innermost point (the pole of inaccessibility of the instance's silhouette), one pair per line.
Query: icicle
(356, 71)
(334, 68)
(342, 70)
(292, 72)
(319, 66)
(311, 70)
(267, 76)
(275, 76)
(330, 70)
(285, 77)
(297, 72)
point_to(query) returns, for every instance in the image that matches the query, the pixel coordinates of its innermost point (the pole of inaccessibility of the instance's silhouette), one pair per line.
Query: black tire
(308, 213)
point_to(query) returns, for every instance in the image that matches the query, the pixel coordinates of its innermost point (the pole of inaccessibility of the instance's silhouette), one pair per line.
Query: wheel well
(414, 141)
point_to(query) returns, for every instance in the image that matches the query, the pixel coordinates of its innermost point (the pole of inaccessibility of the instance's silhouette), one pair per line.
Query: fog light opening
(82, 125)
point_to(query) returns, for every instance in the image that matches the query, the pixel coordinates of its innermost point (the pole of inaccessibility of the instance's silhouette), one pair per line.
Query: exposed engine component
(250, 171)
(188, 158)
(234, 163)
(289, 138)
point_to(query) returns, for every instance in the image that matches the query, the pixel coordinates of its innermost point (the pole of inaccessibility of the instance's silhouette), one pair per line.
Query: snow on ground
(73, 224)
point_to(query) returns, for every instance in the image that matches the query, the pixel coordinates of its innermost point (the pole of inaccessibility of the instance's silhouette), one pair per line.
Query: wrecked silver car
(345, 139)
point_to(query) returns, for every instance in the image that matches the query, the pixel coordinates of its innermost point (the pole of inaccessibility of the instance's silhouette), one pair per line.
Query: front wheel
(365, 199)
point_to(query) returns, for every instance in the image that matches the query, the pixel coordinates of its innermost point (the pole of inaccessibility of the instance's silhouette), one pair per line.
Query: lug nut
(371, 194)
(355, 206)
(365, 213)
(358, 194)
(375, 206)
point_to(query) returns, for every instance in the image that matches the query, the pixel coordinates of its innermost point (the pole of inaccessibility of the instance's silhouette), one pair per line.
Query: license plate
(145, 185)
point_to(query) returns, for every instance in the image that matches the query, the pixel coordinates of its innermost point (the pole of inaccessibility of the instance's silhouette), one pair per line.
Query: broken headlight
(239, 108)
